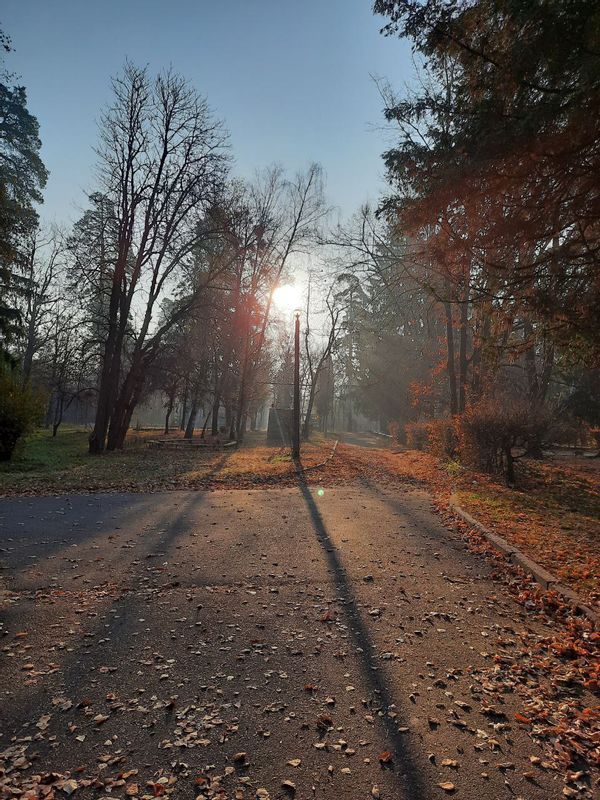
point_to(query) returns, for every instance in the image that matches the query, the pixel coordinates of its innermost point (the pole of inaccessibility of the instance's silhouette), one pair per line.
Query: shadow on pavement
(60, 521)
(403, 759)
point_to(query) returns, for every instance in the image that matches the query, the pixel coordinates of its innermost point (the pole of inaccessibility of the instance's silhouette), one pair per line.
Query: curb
(546, 579)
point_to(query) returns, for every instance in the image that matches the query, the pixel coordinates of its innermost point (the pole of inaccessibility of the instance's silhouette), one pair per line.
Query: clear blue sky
(290, 78)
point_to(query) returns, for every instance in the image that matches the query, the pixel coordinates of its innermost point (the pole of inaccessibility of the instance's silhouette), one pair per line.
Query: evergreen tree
(22, 177)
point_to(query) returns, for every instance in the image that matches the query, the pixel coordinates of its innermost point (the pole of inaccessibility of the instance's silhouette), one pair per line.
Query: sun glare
(286, 298)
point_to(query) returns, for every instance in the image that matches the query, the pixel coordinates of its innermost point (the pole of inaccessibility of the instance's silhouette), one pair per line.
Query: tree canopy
(22, 178)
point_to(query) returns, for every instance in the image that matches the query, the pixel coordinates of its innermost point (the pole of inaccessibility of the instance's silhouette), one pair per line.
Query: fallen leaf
(69, 786)
(449, 762)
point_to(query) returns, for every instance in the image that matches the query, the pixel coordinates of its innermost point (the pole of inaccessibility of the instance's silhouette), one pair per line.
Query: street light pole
(296, 413)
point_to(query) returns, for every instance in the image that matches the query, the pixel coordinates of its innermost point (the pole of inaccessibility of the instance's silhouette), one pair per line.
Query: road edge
(541, 575)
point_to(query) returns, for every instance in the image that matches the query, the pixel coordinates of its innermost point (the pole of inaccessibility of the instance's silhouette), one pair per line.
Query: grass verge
(553, 516)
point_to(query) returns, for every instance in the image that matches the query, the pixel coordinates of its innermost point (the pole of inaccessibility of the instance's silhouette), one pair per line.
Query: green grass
(44, 464)
(42, 454)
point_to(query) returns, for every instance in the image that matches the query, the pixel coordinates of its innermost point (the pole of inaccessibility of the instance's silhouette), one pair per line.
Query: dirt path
(344, 640)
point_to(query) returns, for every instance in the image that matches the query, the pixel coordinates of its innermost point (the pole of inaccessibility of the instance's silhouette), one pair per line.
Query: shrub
(437, 436)
(442, 440)
(492, 428)
(416, 435)
(570, 432)
(21, 409)
(397, 432)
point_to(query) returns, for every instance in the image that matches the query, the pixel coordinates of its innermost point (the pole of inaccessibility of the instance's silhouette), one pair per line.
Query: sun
(286, 297)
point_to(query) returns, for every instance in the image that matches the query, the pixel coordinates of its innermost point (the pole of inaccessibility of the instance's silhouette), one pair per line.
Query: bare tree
(43, 256)
(288, 213)
(316, 361)
(65, 366)
(161, 164)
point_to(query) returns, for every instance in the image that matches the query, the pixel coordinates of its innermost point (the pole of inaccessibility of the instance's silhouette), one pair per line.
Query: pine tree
(22, 177)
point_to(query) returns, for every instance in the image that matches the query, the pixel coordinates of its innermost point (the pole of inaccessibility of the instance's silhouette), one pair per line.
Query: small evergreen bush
(21, 409)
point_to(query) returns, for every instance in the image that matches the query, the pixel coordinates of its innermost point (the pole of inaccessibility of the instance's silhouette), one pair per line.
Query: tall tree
(42, 264)
(22, 178)
(162, 163)
(522, 160)
(268, 223)
(318, 357)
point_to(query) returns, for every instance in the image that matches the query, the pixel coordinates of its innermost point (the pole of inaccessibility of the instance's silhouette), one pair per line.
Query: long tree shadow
(411, 782)
(61, 521)
(168, 526)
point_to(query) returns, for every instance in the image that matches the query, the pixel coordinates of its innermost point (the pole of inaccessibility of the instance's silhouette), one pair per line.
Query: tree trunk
(111, 368)
(126, 402)
(241, 403)
(462, 356)
(530, 366)
(123, 408)
(214, 427)
(478, 352)
(206, 418)
(168, 415)
(309, 408)
(232, 424)
(238, 429)
(50, 410)
(547, 366)
(29, 351)
(184, 406)
(59, 409)
(509, 465)
(191, 423)
(450, 360)
(241, 424)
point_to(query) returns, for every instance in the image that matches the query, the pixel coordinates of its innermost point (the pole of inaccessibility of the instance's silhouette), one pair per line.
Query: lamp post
(296, 411)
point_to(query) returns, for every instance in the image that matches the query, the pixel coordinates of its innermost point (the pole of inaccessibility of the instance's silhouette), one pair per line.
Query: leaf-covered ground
(534, 675)
(553, 515)
(246, 645)
(61, 465)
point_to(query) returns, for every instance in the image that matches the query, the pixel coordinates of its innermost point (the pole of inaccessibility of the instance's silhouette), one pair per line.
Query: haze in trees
(474, 282)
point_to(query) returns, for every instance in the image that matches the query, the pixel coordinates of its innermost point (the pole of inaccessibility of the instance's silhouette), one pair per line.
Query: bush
(397, 430)
(491, 429)
(569, 431)
(437, 436)
(21, 409)
(442, 440)
(416, 435)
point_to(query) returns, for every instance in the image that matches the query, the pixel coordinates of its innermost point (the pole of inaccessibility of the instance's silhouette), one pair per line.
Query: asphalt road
(341, 641)
(368, 440)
